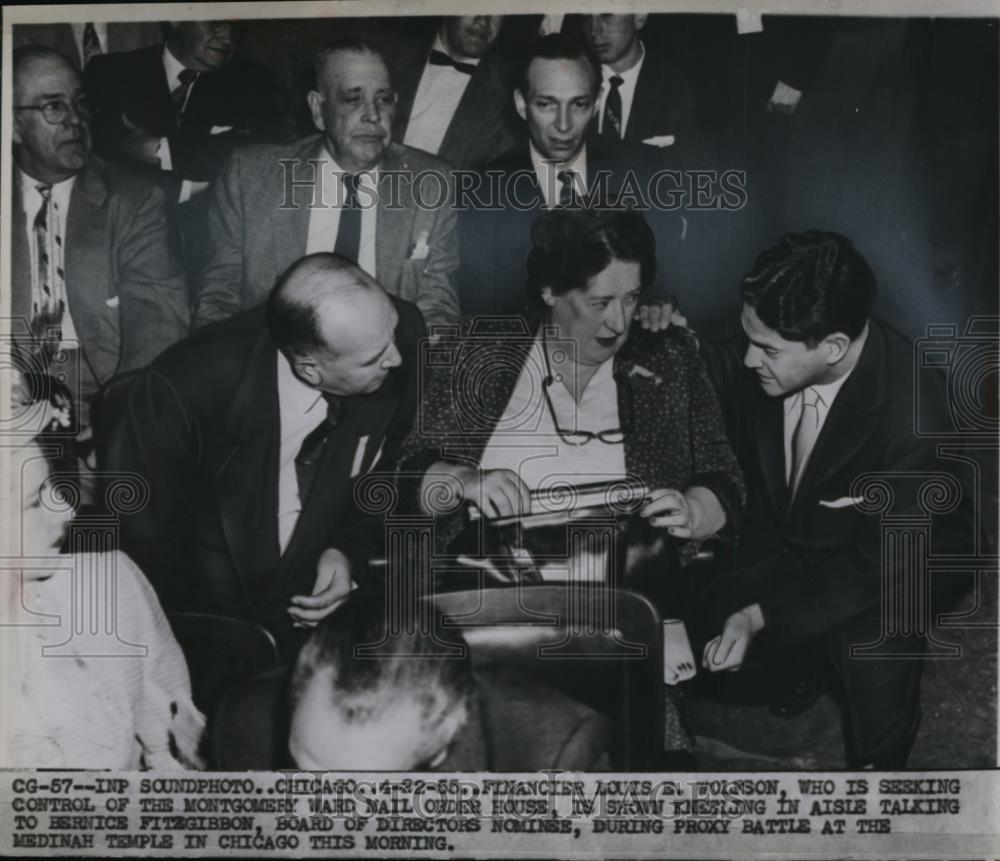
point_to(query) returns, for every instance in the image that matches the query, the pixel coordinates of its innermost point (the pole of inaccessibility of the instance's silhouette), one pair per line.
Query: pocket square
(660, 141)
(420, 248)
(359, 455)
(112, 302)
(220, 130)
(843, 502)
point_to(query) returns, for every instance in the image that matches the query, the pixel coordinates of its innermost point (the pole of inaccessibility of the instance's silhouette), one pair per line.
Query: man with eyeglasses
(95, 290)
(349, 190)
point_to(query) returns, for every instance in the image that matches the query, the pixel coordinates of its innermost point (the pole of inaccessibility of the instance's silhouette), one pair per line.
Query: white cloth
(95, 678)
(525, 441)
(300, 410)
(440, 90)
(626, 90)
(100, 28)
(827, 393)
(324, 219)
(550, 24)
(547, 175)
(31, 203)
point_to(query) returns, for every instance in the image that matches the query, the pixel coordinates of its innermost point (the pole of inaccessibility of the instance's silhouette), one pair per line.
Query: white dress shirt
(324, 218)
(827, 393)
(525, 441)
(547, 175)
(31, 202)
(300, 410)
(173, 68)
(626, 90)
(440, 90)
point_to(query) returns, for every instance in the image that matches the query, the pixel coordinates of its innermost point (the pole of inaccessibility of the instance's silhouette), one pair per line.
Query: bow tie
(440, 58)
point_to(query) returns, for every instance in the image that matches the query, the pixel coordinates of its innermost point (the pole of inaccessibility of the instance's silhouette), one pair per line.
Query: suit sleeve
(437, 293)
(155, 442)
(221, 281)
(101, 81)
(152, 293)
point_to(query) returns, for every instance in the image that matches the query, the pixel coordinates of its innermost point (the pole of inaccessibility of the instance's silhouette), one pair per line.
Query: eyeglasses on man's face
(55, 111)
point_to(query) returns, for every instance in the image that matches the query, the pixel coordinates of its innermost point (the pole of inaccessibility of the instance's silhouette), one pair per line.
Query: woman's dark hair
(571, 246)
(810, 285)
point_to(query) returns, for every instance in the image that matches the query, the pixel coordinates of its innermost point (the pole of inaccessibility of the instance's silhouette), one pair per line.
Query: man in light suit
(349, 190)
(825, 399)
(453, 89)
(644, 97)
(553, 165)
(94, 287)
(363, 696)
(250, 435)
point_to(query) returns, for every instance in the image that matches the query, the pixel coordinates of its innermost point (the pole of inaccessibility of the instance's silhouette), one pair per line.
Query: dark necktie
(611, 125)
(311, 451)
(91, 43)
(348, 242)
(440, 58)
(49, 303)
(804, 436)
(179, 94)
(567, 188)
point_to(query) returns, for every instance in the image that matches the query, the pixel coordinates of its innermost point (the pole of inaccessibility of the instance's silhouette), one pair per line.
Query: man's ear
(547, 297)
(305, 369)
(520, 105)
(640, 21)
(315, 101)
(835, 347)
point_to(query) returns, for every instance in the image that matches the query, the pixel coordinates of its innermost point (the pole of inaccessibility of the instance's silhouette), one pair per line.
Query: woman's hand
(693, 513)
(496, 492)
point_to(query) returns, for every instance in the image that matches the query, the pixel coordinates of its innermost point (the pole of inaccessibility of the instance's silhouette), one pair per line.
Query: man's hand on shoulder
(332, 587)
(658, 315)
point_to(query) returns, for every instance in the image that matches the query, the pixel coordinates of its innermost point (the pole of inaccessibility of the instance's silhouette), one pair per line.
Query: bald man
(251, 435)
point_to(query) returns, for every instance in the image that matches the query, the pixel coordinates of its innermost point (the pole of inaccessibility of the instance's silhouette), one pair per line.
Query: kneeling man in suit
(823, 403)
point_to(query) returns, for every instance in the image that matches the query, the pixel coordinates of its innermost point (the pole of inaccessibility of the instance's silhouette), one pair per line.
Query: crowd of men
(234, 309)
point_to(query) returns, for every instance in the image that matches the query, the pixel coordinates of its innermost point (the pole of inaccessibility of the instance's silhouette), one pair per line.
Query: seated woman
(574, 396)
(92, 675)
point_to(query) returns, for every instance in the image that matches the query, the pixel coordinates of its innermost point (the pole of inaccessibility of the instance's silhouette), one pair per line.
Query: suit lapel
(851, 419)
(770, 439)
(20, 271)
(477, 106)
(646, 100)
(248, 470)
(392, 232)
(290, 224)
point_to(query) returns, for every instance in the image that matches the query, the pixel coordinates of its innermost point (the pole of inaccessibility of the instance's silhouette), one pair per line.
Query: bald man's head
(335, 325)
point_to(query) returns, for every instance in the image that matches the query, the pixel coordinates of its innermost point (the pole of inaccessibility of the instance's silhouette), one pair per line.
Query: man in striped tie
(823, 423)
(95, 291)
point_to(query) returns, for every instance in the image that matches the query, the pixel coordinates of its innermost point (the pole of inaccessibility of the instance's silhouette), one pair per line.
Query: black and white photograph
(533, 432)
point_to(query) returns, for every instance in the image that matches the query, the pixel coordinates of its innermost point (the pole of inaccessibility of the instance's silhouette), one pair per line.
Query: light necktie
(49, 302)
(179, 95)
(804, 436)
(348, 243)
(567, 188)
(91, 43)
(440, 58)
(611, 124)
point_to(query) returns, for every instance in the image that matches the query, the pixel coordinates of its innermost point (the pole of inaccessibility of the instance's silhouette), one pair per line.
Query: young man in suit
(553, 166)
(249, 437)
(453, 97)
(825, 399)
(364, 695)
(95, 290)
(644, 97)
(350, 190)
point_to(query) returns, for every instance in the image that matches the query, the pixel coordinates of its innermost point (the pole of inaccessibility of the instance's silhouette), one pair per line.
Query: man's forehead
(348, 70)
(46, 76)
(566, 78)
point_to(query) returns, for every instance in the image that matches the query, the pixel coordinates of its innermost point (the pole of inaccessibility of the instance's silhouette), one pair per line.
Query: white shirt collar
(547, 173)
(173, 67)
(294, 396)
(31, 198)
(629, 75)
(440, 46)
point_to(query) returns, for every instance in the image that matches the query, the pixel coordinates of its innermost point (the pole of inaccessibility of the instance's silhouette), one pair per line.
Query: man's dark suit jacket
(122, 36)
(126, 292)
(201, 429)
(816, 561)
(495, 222)
(134, 84)
(480, 130)
(662, 105)
(514, 724)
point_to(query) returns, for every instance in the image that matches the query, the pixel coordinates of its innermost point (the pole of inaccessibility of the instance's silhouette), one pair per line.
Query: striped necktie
(611, 125)
(91, 43)
(49, 299)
